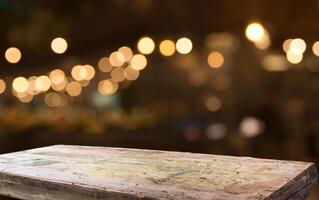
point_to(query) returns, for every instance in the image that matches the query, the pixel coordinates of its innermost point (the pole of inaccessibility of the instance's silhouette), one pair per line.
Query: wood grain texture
(84, 173)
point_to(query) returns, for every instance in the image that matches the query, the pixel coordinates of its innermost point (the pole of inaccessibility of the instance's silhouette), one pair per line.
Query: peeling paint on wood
(84, 173)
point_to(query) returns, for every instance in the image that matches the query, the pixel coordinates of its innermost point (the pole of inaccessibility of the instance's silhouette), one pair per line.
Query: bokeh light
(26, 98)
(43, 83)
(213, 103)
(215, 59)
(138, 62)
(13, 55)
(105, 65)
(2, 86)
(20, 84)
(255, 32)
(251, 126)
(131, 74)
(184, 45)
(118, 74)
(167, 47)
(315, 48)
(146, 45)
(74, 89)
(107, 87)
(116, 59)
(294, 58)
(54, 99)
(57, 76)
(216, 131)
(126, 52)
(297, 46)
(286, 44)
(59, 45)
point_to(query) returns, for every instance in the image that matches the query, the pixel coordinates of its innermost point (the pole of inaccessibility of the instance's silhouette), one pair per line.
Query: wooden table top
(82, 172)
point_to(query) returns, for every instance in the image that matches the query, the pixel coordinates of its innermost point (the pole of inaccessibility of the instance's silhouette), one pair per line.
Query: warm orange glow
(131, 74)
(184, 45)
(26, 99)
(74, 89)
(61, 86)
(286, 44)
(107, 87)
(315, 48)
(255, 32)
(105, 65)
(138, 62)
(57, 76)
(75, 72)
(297, 46)
(294, 58)
(2, 86)
(117, 59)
(215, 59)
(167, 47)
(213, 104)
(59, 45)
(87, 72)
(117, 74)
(13, 55)
(20, 84)
(54, 99)
(146, 45)
(43, 83)
(126, 52)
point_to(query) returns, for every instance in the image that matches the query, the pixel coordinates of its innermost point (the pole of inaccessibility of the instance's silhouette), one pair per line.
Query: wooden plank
(84, 173)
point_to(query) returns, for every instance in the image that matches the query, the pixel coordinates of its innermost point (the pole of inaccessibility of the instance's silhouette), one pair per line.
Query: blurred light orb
(294, 58)
(264, 42)
(275, 62)
(105, 65)
(13, 55)
(26, 99)
(57, 76)
(315, 48)
(216, 131)
(74, 89)
(53, 99)
(107, 87)
(118, 74)
(2, 86)
(297, 46)
(76, 73)
(167, 47)
(59, 45)
(215, 59)
(20, 84)
(213, 103)
(126, 52)
(146, 45)
(32, 88)
(184, 45)
(255, 32)
(251, 127)
(87, 72)
(131, 74)
(43, 83)
(117, 59)
(61, 86)
(286, 44)
(138, 62)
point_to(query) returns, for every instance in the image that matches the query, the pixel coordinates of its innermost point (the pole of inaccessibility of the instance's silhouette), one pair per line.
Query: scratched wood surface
(81, 173)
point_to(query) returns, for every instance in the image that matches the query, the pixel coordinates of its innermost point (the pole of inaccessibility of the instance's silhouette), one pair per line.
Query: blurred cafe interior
(218, 77)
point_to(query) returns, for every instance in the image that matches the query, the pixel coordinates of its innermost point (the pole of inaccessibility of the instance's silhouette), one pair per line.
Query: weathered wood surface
(77, 172)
